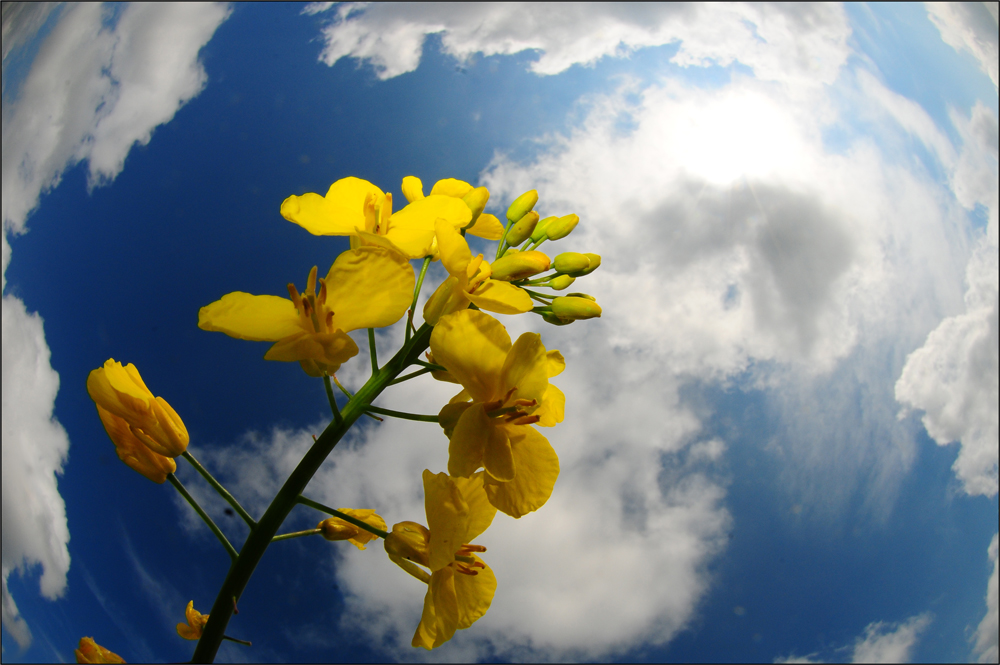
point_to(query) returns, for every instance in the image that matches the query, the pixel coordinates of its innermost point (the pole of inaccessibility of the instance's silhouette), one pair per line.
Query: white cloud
(890, 642)
(953, 377)
(971, 27)
(91, 93)
(986, 649)
(806, 44)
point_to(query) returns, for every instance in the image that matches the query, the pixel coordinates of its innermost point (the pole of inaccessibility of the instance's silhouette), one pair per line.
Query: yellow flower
(195, 623)
(335, 528)
(357, 208)
(469, 281)
(509, 389)
(368, 287)
(120, 393)
(134, 452)
(90, 651)
(485, 226)
(460, 586)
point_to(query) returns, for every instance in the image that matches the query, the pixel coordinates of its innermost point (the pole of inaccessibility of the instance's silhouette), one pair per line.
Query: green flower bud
(510, 268)
(539, 231)
(561, 282)
(581, 295)
(555, 320)
(595, 263)
(522, 229)
(476, 200)
(522, 204)
(571, 262)
(572, 307)
(562, 227)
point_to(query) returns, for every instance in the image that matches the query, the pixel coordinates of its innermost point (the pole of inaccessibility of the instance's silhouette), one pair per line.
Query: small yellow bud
(571, 262)
(195, 625)
(522, 229)
(337, 529)
(476, 200)
(410, 541)
(595, 263)
(562, 227)
(539, 231)
(520, 265)
(561, 282)
(574, 307)
(522, 205)
(90, 651)
(413, 189)
(581, 295)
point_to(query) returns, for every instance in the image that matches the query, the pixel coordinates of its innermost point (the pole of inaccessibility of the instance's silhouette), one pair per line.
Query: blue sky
(781, 437)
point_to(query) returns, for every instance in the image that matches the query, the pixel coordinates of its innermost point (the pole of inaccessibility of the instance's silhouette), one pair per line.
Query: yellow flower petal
(90, 651)
(447, 515)
(501, 297)
(413, 189)
(329, 348)
(455, 253)
(451, 187)
(442, 590)
(553, 407)
(254, 318)
(450, 414)
(526, 368)
(497, 457)
(412, 228)
(468, 441)
(556, 362)
(487, 227)
(481, 511)
(472, 346)
(537, 470)
(427, 630)
(475, 594)
(369, 287)
(340, 212)
(448, 298)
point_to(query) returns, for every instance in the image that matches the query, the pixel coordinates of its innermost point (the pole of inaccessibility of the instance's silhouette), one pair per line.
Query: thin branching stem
(344, 516)
(204, 516)
(217, 486)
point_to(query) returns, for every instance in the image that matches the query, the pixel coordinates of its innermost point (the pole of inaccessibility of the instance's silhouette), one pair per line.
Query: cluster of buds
(520, 263)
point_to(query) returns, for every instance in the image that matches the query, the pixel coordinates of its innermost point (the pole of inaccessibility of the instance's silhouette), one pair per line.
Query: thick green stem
(260, 536)
(204, 516)
(217, 486)
(403, 415)
(344, 516)
(416, 293)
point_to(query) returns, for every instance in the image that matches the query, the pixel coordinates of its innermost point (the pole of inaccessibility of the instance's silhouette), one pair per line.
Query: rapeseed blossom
(90, 651)
(195, 625)
(335, 528)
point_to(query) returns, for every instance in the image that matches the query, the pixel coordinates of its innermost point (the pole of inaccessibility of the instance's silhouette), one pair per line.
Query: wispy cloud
(881, 642)
(93, 91)
(970, 27)
(986, 649)
(781, 42)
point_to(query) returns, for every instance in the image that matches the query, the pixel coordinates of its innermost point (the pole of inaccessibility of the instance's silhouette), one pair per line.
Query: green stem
(430, 366)
(332, 399)
(411, 375)
(217, 486)
(344, 516)
(260, 537)
(541, 297)
(350, 395)
(297, 534)
(503, 239)
(403, 415)
(416, 293)
(201, 513)
(372, 351)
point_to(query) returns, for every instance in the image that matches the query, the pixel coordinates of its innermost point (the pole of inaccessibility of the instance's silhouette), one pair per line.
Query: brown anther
(294, 293)
(465, 549)
(465, 570)
(322, 289)
(307, 307)
(521, 419)
(311, 283)
(329, 321)
(525, 402)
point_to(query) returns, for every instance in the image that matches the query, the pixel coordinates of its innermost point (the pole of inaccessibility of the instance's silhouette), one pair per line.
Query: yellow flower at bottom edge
(469, 281)
(90, 651)
(121, 392)
(195, 625)
(460, 586)
(335, 528)
(506, 390)
(368, 287)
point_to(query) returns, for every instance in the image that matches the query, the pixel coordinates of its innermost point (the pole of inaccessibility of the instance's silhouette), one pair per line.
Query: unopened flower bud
(511, 251)
(571, 262)
(520, 231)
(413, 189)
(334, 529)
(581, 295)
(561, 282)
(573, 307)
(410, 541)
(522, 204)
(476, 200)
(519, 266)
(595, 263)
(562, 227)
(90, 651)
(539, 231)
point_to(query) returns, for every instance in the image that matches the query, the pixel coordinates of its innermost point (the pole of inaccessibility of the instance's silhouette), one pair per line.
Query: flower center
(513, 412)
(314, 314)
(465, 563)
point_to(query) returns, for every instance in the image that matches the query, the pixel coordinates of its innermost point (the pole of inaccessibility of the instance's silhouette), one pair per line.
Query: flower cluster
(498, 460)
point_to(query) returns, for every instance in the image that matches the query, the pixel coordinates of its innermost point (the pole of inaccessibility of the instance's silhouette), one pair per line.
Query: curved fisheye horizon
(780, 436)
